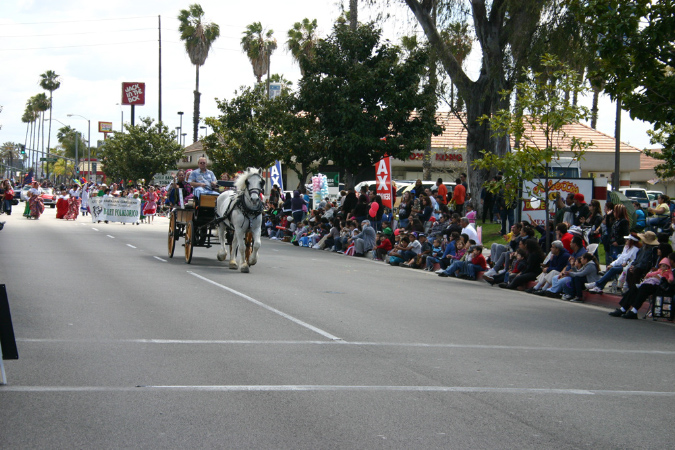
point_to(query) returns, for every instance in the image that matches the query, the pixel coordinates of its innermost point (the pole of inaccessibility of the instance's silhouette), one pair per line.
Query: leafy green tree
(636, 61)
(241, 135)
(504, 31)
(198, 37)
(258, 45)
(544, 108)
(144, 150)
(49, 81)
(367, 98)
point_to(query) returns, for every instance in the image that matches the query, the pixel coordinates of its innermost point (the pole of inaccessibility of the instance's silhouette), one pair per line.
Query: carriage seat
(206, 201)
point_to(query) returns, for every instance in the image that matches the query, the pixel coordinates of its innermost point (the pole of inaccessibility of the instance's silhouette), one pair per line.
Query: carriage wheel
(249, 244)
(173, 233)
(189, 239)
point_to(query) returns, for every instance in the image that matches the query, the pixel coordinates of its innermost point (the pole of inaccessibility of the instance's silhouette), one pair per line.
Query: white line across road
(157, 257)
(269, 308)
(338, 388)
(472, 347)
(132, 246)
(110, 236)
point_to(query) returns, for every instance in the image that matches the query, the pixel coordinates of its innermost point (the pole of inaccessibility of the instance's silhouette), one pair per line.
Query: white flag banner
(115, 209)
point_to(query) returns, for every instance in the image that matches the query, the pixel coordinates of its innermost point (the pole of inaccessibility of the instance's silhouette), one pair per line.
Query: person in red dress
(150, 208)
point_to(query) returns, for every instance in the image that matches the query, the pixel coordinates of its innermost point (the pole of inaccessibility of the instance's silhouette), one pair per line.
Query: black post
(133, 114)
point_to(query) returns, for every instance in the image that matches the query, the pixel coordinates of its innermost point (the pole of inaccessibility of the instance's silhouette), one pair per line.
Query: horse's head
(254, 184)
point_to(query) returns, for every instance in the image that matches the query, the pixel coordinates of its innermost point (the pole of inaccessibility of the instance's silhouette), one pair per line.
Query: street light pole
(88, 145)
(183, 139)
(180, 113)
(206, 130)
(178, 134)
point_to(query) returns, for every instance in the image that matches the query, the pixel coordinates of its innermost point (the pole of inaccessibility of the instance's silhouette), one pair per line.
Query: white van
(638, 194)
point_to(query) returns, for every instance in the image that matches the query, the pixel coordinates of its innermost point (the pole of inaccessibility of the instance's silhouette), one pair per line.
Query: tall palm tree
(258, 45)
(49, 81)
(41, 106)
(198, 37)
(301, 41)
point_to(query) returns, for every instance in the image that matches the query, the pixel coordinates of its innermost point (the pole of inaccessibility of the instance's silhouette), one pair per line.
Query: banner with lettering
(115, 209)
(383, 185)
(275, 175)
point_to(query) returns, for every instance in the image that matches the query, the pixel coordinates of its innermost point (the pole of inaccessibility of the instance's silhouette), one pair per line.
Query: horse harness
(240, 203)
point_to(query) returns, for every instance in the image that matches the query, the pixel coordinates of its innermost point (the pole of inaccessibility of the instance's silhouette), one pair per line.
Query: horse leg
(234, 248)
(222, 253)
(249, 247)
(256, 245)
(241, 251)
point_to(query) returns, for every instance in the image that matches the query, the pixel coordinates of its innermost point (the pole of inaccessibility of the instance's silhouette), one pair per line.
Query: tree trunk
(49, 134)
(594, 108)
(195, 119)
(353, 14)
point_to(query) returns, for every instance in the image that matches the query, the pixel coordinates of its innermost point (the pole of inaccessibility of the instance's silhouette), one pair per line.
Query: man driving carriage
(203, 180)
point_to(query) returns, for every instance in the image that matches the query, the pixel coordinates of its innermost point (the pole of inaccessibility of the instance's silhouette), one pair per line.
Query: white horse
(241, 211)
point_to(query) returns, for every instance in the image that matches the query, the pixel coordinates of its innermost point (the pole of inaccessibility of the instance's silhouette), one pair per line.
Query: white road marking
(95, 229)
(339, 388)
(157, 257)
(129, 245)
(111, 237)
(269, 308)
(357, 344)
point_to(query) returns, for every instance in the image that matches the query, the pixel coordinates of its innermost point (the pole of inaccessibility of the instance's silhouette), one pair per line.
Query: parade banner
(115, 209)
(383, 186)
(275, 175)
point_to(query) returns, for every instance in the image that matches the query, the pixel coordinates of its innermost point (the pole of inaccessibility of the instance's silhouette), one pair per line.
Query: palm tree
(41, 105)
(301, 41)
(198, 37)
(258, 46)
(49, 81)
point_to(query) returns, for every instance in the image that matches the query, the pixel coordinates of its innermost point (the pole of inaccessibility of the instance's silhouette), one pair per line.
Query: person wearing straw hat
(632, 300)
(644, 260)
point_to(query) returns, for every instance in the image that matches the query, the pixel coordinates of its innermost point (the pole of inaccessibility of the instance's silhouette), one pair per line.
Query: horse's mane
(240, 182)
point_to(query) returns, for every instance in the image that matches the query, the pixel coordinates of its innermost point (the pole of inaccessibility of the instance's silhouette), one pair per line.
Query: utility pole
(159, 113)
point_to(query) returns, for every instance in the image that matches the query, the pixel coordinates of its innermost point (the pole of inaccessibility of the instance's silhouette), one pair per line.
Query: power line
(75, 46)
(82, 32)
(76, 21)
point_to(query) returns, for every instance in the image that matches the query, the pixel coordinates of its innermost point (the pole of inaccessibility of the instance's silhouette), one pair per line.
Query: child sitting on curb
(435, 257)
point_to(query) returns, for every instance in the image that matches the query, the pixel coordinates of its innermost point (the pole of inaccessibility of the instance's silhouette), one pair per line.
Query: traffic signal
(23, 149)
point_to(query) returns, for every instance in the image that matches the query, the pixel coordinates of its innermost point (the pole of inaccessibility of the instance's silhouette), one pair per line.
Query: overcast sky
(95, 46)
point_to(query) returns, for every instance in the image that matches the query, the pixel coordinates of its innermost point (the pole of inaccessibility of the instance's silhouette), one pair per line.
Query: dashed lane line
(269, 308)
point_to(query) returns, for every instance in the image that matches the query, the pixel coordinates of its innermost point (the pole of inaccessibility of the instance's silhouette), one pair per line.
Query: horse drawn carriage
(234, 214)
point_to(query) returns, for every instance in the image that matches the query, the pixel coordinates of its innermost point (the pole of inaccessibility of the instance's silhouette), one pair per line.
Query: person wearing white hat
(630, 250)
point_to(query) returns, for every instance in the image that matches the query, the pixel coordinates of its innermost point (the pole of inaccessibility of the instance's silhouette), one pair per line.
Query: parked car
(47, 194)
(48, 197)
(638, 194)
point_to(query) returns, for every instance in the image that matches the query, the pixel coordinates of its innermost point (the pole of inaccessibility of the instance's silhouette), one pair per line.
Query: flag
(383, 181)
(275, 175)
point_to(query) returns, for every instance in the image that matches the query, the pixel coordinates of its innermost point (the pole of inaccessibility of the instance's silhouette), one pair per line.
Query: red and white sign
(133, 93)
(383, 176)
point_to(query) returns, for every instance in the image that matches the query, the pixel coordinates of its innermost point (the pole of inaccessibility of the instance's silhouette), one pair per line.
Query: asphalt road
(122, 347)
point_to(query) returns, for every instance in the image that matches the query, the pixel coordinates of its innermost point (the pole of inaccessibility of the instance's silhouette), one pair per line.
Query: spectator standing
(459, 196)
(581, 208)
(442, 191)
(487, 201)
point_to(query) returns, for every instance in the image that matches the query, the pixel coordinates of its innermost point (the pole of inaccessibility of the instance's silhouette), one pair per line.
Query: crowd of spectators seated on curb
(429, 233)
